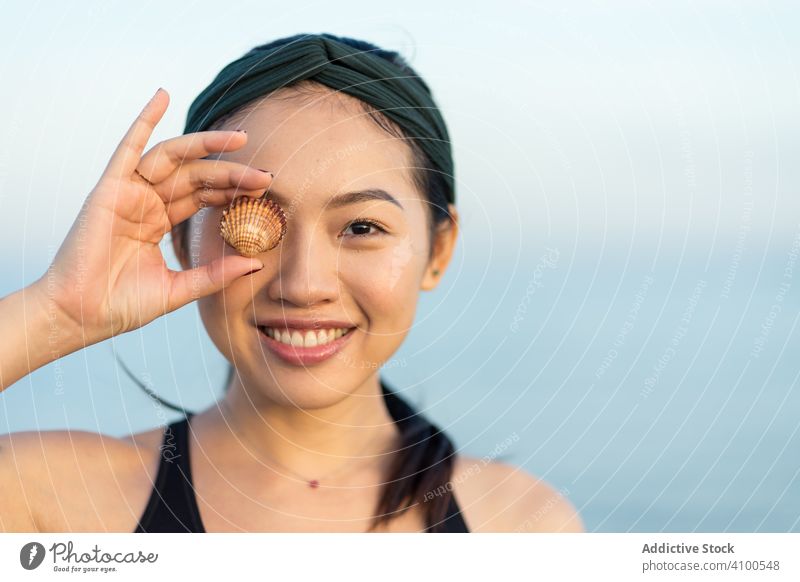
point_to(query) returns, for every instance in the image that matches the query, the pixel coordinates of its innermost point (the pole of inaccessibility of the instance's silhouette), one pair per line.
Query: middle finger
(211, 174)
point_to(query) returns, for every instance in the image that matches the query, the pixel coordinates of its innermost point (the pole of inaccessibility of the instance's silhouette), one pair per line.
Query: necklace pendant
(313, 483)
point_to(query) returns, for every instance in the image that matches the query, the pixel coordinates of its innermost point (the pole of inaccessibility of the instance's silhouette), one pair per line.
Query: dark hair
(422, 467)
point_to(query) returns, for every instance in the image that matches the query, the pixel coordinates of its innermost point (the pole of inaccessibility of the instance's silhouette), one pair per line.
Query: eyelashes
(361, 222)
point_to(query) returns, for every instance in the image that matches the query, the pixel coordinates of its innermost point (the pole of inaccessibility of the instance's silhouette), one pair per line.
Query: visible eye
(362, 226)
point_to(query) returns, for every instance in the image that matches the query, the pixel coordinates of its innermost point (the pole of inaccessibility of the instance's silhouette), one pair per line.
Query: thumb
(207, 279)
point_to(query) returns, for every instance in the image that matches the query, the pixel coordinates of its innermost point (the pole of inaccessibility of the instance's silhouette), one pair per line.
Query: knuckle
(201, 199)
(173, 155)
(207, 182)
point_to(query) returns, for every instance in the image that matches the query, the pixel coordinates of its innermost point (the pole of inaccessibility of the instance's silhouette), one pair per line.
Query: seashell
(252, 225)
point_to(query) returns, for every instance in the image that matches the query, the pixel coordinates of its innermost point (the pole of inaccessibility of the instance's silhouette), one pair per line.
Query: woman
(347, 139)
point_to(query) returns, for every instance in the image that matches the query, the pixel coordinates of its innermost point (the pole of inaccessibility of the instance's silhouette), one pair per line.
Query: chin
(308, 389)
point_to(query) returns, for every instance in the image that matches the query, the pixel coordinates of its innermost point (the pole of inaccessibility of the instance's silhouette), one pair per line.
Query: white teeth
(307, 339)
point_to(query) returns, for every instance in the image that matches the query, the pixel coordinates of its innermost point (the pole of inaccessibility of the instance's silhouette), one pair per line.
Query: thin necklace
(312, 483)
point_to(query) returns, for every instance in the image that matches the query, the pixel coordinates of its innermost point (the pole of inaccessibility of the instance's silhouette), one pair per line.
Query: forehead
(320, 143)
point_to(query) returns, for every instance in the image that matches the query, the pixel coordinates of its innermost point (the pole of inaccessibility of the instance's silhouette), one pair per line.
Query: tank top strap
(172, 506)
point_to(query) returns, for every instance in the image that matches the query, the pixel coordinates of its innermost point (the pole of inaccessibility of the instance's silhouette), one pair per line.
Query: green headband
(399, 95)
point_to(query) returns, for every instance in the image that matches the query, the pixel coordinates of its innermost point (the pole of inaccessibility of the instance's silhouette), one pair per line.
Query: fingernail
(254, 270)
(266, 172)
(242, 130)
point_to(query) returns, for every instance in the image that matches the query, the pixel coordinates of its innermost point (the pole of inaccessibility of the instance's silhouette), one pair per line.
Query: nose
(307, 272)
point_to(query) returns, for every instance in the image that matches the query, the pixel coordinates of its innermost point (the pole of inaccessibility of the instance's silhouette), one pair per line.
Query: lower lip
(302, 356)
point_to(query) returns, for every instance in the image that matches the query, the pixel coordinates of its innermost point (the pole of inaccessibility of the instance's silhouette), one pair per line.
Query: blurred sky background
(623, 304)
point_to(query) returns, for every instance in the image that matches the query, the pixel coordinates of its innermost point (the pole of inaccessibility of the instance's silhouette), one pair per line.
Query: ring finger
(180, 210)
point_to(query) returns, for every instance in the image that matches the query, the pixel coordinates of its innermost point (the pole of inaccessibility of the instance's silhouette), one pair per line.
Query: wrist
(63, 334)
(33, 336)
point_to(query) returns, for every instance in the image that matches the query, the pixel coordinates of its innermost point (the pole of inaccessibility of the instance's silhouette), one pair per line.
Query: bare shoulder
(73, 480)
(499, 497)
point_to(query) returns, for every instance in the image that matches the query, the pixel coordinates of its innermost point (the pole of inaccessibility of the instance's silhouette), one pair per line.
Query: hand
(109, 275)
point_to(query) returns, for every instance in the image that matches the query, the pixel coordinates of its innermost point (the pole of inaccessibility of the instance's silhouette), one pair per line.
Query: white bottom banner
(389, 557)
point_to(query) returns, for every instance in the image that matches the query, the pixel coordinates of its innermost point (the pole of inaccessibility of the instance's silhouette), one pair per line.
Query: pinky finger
(186, 206)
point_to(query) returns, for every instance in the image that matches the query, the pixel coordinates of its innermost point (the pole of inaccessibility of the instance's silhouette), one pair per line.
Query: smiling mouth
(305, 338)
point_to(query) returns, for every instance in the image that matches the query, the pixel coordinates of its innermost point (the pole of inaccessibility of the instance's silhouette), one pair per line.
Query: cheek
(221, 312)
(401, 266)
(203, 241)
(385, 283)
(226, 317)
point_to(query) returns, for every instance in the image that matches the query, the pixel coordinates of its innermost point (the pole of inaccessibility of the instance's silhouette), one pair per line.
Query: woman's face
(330, 266)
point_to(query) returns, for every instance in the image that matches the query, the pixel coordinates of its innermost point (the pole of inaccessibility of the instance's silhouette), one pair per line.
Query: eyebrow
(348, 198)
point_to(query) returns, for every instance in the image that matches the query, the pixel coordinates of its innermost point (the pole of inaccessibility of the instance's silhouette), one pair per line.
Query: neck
(355, 432)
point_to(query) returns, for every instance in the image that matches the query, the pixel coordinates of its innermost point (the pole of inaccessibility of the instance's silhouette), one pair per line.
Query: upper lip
(295, 323)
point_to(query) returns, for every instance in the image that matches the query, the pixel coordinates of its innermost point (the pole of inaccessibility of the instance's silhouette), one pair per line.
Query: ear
(443, 246)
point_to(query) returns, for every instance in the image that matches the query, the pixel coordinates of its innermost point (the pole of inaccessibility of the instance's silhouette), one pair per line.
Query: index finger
(129, 151)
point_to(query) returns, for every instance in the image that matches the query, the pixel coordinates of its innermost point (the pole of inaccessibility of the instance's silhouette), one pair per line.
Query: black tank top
(172, 506)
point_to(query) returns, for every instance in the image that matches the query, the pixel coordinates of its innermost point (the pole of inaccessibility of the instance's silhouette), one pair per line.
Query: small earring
(436, 271)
